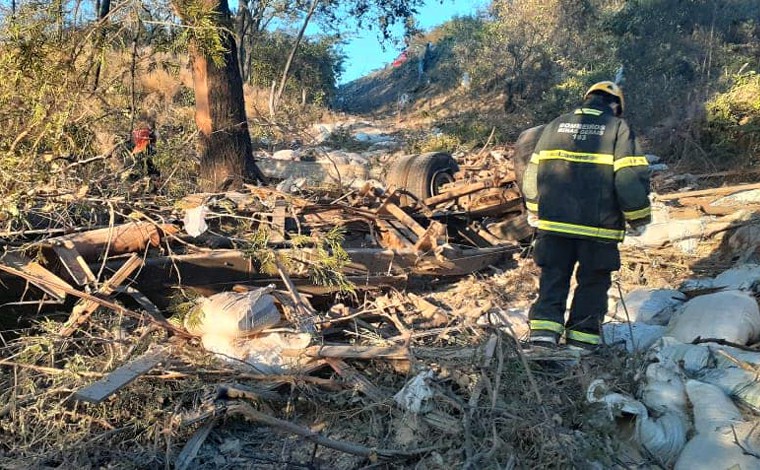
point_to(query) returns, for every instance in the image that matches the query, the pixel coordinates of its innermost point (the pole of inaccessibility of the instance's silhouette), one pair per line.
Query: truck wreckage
(434, 218)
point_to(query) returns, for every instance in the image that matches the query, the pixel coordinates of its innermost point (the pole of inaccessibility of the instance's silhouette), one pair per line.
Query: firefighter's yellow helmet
(611, 89)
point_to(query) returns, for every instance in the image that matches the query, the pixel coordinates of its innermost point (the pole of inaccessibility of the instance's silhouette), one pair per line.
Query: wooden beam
(458, 192)
(305, 313)
(277, 235)
(404, 218)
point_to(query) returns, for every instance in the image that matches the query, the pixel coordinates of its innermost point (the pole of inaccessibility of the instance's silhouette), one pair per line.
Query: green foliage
(315, 69)
(324, 268)
(342, 138)
(435, 142)
(202, 22)
(257, 249)
(332, 258)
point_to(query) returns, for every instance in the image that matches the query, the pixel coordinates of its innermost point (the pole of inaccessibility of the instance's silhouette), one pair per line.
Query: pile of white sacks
(686, 414)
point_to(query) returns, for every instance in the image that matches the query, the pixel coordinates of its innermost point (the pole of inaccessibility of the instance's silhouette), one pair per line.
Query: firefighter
(143, 141)
(585, 181)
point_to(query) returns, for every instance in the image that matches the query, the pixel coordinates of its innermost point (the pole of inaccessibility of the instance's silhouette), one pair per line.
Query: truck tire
(396, 177)
(423, 175)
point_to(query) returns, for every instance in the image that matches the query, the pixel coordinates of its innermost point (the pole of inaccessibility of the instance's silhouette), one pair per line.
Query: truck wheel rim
(439, 179)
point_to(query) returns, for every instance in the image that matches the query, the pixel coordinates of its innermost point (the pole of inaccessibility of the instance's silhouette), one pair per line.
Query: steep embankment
(426, 86)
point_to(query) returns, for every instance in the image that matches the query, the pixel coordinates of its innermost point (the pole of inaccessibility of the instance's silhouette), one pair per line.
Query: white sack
(691, 358)
(719, 451)
(644, 336)
(233, 314)
(663, 436)
(664, 391)
(731, 315)
(652, 306)
(740, 384)
(712, 408)
(743, 277)
(719, 424)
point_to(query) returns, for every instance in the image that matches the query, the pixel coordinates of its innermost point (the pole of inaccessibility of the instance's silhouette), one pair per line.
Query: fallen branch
(373, 455)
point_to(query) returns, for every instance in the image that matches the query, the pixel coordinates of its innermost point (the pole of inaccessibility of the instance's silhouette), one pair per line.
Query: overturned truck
(435, 216)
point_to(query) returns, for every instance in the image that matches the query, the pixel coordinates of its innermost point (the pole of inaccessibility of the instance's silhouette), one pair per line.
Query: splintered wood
(84, 308)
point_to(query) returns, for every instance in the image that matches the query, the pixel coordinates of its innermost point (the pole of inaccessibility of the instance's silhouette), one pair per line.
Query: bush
(732, 127)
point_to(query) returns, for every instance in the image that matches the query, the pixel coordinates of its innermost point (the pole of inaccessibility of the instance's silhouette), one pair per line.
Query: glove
(532, 220)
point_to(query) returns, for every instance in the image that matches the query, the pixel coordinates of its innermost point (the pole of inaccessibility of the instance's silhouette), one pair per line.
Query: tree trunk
(293, 51)
(243, 25)
(224, 144)
(104, 9)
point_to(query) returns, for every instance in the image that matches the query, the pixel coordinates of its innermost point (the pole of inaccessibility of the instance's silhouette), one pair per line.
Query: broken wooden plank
(142, 300)
(73, 262)
(359, 382)
(381, 352)
(85, 308)
(708, 192)
(457, 193)
(121, 376)
(429, 240)
(350, 352)
(18, 264)
(392, 238)
(103, 302)
(277, 234)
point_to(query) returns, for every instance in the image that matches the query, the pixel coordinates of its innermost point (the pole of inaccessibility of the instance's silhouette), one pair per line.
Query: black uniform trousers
(557, 257)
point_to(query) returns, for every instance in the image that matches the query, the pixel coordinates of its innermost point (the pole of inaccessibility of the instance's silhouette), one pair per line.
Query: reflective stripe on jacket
(587, 177)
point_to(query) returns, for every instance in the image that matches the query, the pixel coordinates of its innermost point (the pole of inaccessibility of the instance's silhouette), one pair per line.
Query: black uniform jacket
(587, 177)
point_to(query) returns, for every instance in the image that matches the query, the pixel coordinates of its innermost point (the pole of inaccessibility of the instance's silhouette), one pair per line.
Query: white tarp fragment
(652, 306)
(416, 393)
(195, 220)
(731, 315)
(265, 352)
(644, 336)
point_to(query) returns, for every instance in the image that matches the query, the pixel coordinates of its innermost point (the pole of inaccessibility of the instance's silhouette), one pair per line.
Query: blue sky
(365, 53)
